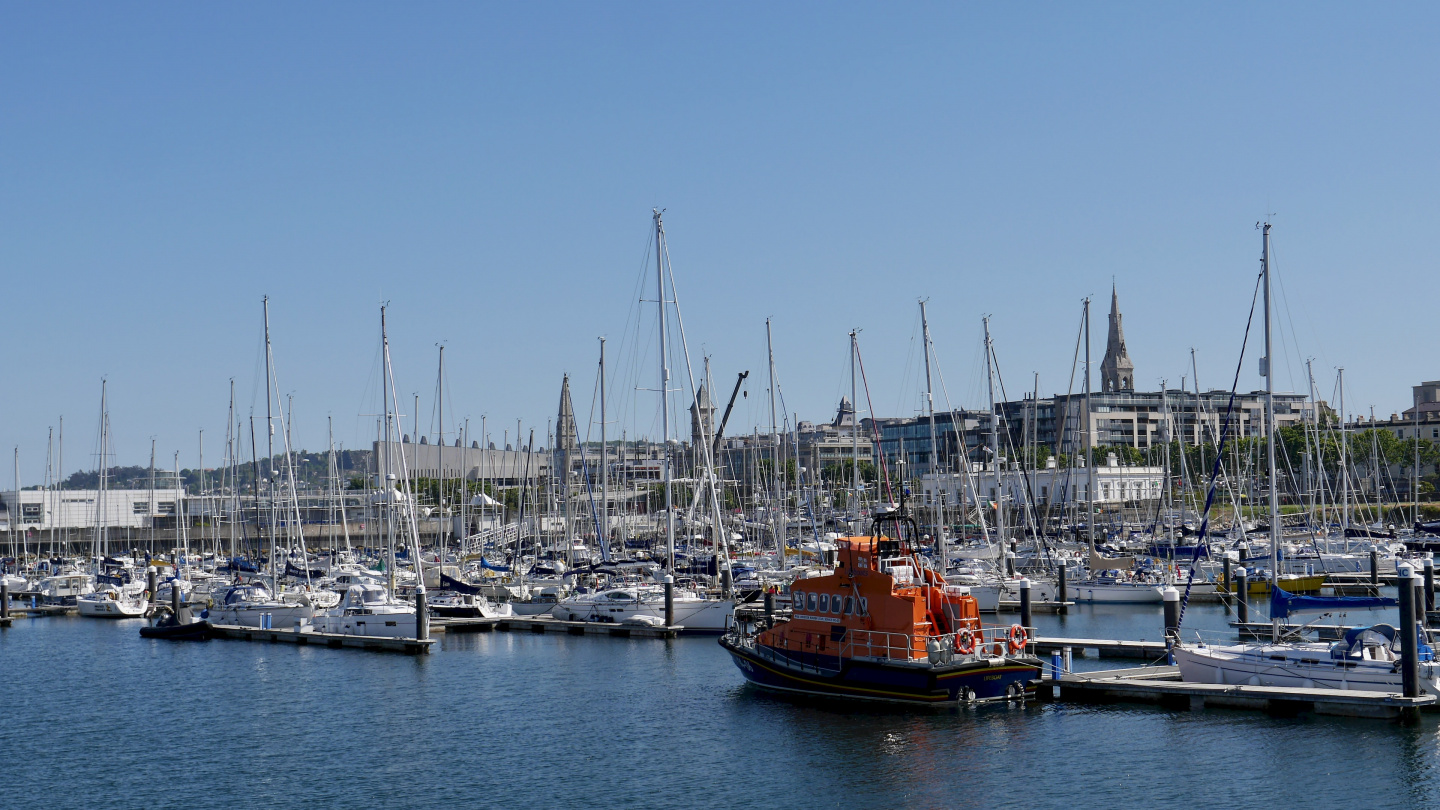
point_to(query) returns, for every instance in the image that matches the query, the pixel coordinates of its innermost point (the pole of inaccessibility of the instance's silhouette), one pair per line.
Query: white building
(41, 510)
(1114, 485)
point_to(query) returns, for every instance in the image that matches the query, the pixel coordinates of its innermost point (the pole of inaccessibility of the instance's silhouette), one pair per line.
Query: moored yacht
(694, 612)
(244, 606)
(368, 610)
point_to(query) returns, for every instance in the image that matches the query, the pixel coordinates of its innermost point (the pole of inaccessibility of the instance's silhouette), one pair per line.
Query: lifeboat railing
(988, 642)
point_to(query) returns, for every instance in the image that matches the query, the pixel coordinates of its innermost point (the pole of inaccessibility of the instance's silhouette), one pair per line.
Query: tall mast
(388, 508)
(776, 526)
(270, 445)
(940, 546)
(1267, 367)
(1344, 463)
(664, 394)
(152, 496)
(995, 441)
(604, 463)
(1311, 427)
(440, 451)
(854, 427)
(1087, 437)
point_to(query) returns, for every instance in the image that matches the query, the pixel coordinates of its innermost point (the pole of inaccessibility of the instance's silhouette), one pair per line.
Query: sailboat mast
(995, 441)
(1344, 463)
(270, 446)
(776, 526)
(1087, 436)
(938, 520)
(1268, 369)
(440, 451)
(854, 428)
(387, 509)
(604, 462)
(664, 394)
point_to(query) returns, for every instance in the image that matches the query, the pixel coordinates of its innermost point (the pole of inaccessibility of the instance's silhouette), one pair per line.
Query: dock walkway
(409, 646)
(1162, 685)
(536, 624)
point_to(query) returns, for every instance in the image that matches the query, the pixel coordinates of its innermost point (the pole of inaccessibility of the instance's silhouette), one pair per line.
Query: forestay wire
(1200, 542)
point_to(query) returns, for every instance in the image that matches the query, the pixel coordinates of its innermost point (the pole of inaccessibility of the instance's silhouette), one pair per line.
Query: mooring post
(4, 600)
(770, 609)
(1171, 599)
(669, 601)
(1242, 594)
(1429, 582)
(175, 600)
(1026, 614)
(1055, 664)
(1225, 576)
(1374, 568)
(422, 614)
(1061, 591)
(151, 582)
(1068, 658)
(725, 582)
(1009, 564)
(1409, 639)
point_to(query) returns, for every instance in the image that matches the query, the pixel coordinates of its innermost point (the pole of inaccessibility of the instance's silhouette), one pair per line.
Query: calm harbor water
(96, 716)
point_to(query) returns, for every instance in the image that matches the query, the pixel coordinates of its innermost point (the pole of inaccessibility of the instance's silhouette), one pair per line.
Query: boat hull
(867, 679)
(195, 631)
(1299, 671)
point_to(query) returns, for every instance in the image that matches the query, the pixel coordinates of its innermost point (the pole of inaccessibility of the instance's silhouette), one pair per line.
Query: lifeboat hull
(961, 681)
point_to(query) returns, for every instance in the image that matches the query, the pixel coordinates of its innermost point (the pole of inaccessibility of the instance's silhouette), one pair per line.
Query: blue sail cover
(484, 563)
(1283, 603)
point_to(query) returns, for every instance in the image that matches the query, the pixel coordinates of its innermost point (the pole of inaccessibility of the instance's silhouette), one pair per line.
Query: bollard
(1242, 596)
(422, 614)
(1171, 599)
(4, 600)
(1009, 564)
(769, 609)
(669, 601)
(1225, 575)
(1374, 568)
(151, 582)
(1429, 583)
(1060, 591)
(1026, 615)
(1409, 657)
(1055, 665)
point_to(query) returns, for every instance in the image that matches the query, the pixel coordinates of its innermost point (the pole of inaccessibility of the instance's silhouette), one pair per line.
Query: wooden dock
(1104, 648)
(1013, 606)
(408, 646)
(1162, 686)
(536, 624)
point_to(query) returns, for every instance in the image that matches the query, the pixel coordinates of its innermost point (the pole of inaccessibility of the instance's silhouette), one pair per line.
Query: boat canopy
(1283, 603)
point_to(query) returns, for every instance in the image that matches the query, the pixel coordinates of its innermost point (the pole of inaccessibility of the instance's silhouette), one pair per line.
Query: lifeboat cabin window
(824, 603)
(849, 605)
(835, 604)
(864, 606)
(810, 601)
(797, 600)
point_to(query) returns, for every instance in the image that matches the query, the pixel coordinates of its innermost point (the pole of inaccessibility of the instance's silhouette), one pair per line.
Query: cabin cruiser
(884, 626)
(114, 602)
(646, 604)
(1114, 586)
(245, 604)
(368, 610)
(466, 606)
(61, 590)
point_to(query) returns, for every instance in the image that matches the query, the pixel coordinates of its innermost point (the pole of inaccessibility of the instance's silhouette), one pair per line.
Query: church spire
(1117, 373)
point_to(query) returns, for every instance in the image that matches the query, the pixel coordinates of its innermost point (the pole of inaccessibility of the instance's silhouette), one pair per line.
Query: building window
(139, 507)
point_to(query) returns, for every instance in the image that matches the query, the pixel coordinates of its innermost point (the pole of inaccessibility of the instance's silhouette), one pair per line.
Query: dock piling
(4, 600)
(1009, 564)
(669, 601)
(1374, 568)
(769, 609)
(1025, 611)
(175, 599)
(151, 582)
(1242, 596)
(1429, 582)
(1225, 574)
(422, 615)
(1409, 653)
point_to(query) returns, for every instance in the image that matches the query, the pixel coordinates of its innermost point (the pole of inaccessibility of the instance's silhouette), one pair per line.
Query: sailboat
(645, 603)
(110, 601)
(1366, 659)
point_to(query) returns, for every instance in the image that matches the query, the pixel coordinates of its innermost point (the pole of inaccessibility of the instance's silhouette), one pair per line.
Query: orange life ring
(965, 642)
(1018, 639)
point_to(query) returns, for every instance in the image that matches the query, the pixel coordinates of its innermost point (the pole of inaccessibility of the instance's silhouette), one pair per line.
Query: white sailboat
(1365, 659)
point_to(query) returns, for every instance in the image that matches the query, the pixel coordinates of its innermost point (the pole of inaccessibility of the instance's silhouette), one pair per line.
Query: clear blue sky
(490, 170)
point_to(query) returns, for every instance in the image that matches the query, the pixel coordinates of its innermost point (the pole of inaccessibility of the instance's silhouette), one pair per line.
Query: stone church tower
(1117, 373)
